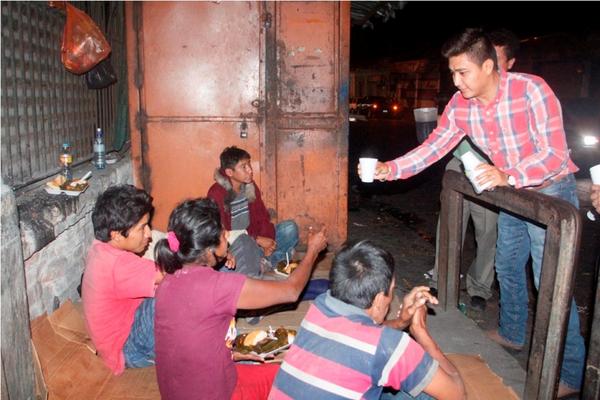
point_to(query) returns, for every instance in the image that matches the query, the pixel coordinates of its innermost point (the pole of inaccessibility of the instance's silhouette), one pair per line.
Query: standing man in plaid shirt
(516, 120)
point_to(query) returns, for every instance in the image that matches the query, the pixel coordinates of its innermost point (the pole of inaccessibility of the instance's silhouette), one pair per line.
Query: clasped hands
(412, 306)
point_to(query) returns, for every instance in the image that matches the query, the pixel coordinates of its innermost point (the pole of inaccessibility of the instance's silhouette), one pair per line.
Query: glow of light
(590, 140)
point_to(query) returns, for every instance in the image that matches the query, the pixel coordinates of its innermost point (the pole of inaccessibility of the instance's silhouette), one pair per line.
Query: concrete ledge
(56, 231)
(43, 217)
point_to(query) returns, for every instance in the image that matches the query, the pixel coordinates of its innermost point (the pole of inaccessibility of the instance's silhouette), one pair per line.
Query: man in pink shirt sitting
(118, 284)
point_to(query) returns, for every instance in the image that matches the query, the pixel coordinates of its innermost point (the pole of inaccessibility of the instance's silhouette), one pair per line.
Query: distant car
(377, 107)
(581, 118)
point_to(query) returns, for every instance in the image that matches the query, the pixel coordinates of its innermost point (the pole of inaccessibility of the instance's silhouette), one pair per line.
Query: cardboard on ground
(68, 367)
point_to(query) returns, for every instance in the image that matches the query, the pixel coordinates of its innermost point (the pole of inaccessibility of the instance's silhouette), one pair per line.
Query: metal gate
(270, 77)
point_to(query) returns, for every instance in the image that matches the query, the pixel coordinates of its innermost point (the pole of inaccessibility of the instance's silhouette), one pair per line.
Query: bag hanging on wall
(101, 76)
(83, 43)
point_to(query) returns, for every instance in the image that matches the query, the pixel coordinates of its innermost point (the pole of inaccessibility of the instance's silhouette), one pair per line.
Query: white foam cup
(367, 169)
(470, 163)
(595, 174)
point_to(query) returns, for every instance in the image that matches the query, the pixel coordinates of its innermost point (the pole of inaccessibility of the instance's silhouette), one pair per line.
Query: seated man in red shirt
(346, 349)
(118, 285)
(241, 208)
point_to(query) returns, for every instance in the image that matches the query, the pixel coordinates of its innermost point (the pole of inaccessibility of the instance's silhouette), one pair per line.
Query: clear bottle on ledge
(99, 150)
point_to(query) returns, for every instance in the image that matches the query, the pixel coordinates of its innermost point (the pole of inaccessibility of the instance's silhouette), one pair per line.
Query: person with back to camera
(516, 120)
(346, 349)
(480, 275)
(118, 284)
(195, 305)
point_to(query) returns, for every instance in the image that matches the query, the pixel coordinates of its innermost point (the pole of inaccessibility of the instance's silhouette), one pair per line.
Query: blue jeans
(139, 347)
(286, 236)
(516, 239)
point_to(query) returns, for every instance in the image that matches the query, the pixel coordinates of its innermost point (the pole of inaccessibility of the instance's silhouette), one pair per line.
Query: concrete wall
(56, 231)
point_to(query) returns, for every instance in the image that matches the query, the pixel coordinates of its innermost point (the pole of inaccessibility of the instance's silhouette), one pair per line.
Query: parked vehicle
(377, 107)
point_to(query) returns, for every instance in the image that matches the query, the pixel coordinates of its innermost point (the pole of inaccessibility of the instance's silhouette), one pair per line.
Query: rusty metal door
(308, 116)
(270, 77)
(196, 89)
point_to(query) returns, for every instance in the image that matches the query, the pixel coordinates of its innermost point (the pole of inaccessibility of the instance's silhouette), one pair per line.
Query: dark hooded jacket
(222, 193)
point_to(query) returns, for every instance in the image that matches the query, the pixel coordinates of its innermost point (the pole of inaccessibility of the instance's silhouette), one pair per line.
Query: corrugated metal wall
(43, 104)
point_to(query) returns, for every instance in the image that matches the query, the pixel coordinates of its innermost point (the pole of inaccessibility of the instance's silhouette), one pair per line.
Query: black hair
(474, 43)
(359, 272)
(197, 226)
(119, 208)
(231, 156)
(504, 38)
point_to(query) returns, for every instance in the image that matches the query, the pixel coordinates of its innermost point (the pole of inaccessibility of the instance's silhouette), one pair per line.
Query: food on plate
(263, 342)
(77, 185)
(284, 268)
(61, 183)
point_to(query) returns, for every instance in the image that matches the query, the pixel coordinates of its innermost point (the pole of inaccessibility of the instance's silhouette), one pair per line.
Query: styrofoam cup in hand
(595, 174)
(367, 169)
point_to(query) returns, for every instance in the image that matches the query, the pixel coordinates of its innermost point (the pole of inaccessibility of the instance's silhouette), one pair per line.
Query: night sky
(421, 27)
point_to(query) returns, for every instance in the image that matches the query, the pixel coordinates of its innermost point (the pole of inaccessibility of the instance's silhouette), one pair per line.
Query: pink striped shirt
(521, 131)
(340, 353)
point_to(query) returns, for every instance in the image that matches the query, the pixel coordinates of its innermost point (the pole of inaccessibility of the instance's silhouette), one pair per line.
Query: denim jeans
(248, 255)
(286, 236)
(139, 347)
(516, 239)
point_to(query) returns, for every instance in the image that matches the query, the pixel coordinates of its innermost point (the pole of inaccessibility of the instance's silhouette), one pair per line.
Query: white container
(470, 162)
(367, 169)
(595, 174)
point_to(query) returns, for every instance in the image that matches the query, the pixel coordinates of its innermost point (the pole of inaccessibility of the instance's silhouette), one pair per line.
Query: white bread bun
(291, 337)
(56, 182)
(254, 337)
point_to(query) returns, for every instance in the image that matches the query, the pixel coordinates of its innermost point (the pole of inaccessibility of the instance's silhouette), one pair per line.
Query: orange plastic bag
(83, 43)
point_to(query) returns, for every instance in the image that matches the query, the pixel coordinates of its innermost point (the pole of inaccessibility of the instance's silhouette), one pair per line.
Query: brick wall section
(56, 232)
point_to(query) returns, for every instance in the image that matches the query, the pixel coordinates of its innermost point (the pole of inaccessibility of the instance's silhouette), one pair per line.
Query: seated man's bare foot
(495, 336)
(564, 391)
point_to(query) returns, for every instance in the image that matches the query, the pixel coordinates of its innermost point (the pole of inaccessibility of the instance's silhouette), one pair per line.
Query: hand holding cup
(369, 170)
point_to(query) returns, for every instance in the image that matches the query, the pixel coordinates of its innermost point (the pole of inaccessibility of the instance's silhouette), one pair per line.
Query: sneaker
(265, 265)
(254, 320)
(478, 303)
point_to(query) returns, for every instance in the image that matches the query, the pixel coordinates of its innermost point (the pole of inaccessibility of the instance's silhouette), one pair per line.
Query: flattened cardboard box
(69, 369)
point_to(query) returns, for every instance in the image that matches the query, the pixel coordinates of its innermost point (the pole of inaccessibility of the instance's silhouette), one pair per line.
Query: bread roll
(56, 182)
(254, 337)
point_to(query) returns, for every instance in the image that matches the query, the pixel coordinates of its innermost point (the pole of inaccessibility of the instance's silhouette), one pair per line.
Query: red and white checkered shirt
(521, 131)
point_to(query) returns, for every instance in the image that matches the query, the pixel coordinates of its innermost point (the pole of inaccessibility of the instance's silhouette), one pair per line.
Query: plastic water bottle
(99, 150)
(470, 162)
(66, 159)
